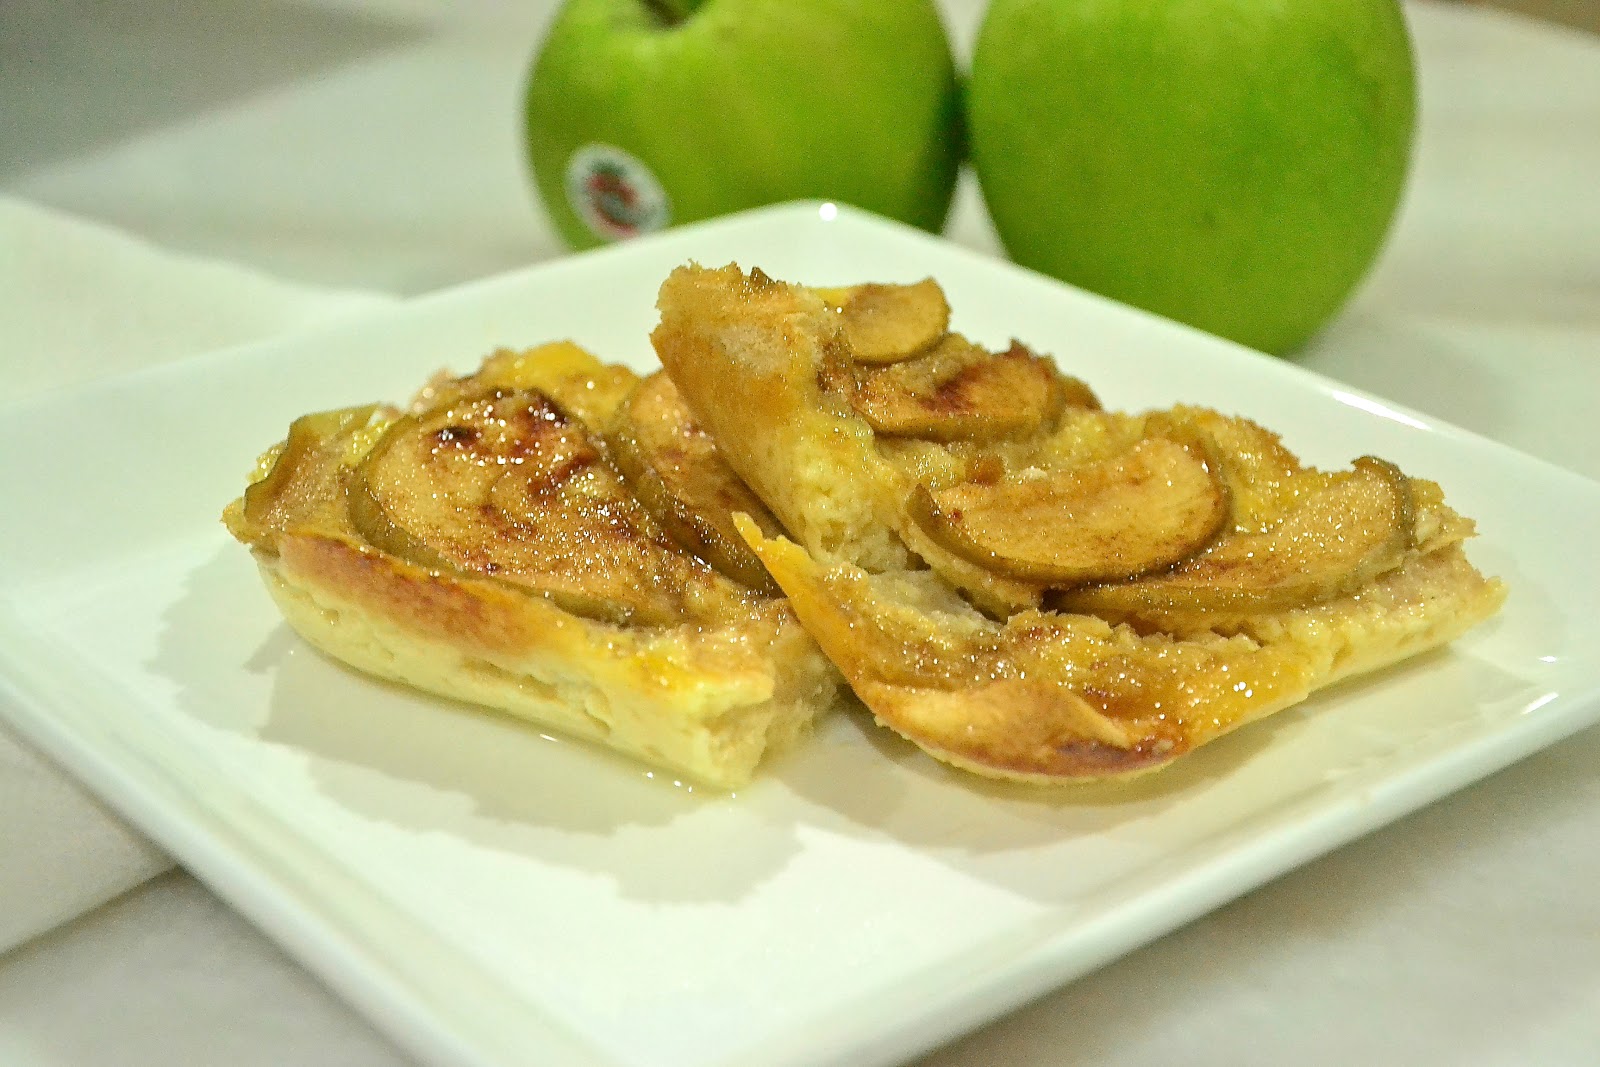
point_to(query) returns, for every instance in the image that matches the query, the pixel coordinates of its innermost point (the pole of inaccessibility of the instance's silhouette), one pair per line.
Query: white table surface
(372, 144)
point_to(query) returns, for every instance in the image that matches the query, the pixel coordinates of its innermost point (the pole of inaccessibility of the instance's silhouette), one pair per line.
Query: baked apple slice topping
(677, 473)
(1339, 537)
(888, 323)
(1144, 509)
(959, 391)
(504, 485)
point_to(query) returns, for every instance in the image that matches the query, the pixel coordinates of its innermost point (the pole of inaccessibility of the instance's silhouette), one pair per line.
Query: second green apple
(1233, 164)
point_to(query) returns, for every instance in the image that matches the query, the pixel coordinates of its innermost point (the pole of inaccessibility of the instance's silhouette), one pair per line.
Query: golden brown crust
(708, 704)
(477, 616)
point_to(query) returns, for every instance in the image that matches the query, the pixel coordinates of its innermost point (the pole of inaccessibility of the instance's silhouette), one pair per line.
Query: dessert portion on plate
(550, 536)
(832, 481)
(1022, 583)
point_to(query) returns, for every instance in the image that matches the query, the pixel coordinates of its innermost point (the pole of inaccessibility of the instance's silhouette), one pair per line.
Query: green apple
(1233, 164)
(647, 113)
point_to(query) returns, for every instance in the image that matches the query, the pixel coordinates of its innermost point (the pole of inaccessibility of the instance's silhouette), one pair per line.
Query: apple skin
(1232, 164)
(752, 102)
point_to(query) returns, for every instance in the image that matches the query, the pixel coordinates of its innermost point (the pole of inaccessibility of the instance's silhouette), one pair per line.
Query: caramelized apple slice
(1338, 539)
(679, 476)
(961, 392)
(507, 486)
(1148, 508)
(888, 323)
(307, 435)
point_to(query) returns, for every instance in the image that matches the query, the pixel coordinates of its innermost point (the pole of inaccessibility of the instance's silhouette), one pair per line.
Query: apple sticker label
(614, 193)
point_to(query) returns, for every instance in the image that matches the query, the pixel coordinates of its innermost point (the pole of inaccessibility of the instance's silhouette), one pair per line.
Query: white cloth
(61, 851)
(374, 143)
(78, 301)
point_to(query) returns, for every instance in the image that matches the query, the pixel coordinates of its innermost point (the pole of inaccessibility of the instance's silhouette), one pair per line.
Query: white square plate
(489, 895)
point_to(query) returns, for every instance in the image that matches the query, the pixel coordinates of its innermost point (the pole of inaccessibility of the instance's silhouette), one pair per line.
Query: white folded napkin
(80, 301)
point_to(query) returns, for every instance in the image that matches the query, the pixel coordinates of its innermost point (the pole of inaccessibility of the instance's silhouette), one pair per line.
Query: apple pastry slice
(487, 545)
(1029, 586)
(1056, 696)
